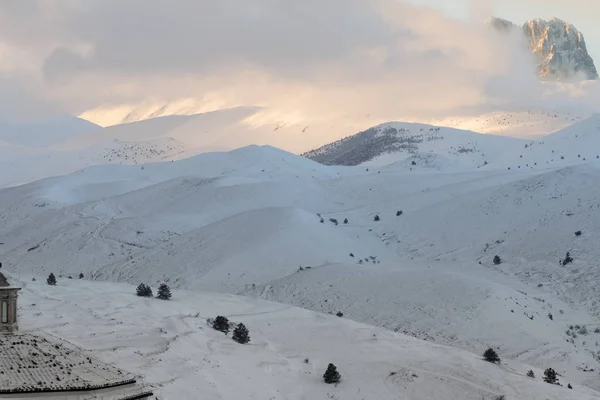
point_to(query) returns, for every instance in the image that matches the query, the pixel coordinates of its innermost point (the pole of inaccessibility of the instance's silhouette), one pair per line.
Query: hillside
(159, 139)
(264, 222)
(179, 356)
(397, 141)
(576, 144)
(527, 124)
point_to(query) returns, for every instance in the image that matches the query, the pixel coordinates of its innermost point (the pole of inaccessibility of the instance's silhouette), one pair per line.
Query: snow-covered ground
(269, 224)
(526, 124)
(171, 346)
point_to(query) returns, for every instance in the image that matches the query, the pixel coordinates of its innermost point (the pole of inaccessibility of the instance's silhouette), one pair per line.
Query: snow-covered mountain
(422, 145)
(559, 47)
(31, 152)
(266, 223)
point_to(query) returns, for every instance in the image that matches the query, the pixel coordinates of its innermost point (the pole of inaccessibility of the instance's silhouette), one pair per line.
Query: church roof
(35, 364)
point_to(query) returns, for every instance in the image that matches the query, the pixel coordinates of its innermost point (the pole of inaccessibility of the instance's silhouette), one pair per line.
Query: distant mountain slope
(167, 138)
(397, 141)
(44, 133)
(526, 124)
(576, 144)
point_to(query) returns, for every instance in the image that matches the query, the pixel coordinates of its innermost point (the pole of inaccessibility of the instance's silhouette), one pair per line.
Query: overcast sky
(384, 57)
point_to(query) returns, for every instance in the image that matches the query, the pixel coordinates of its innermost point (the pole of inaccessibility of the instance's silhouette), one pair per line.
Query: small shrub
(331, 375)
(221, 324)
(531, 374)
(81, 275)
(399, 213)
(550, 376)
(333, 221)
(568, 259)
(51, 280)
(306, 361)
(322, 221)
(583, 330)
(164, 293)
(597, 330)
(578, 233)
(241, 334)
(143, 290)
(490, 355)
(414, 163)
(352, 255)
(345, 220)
(340, 314)
(376, 218)
(569, 386)
(69, 277)
(497, 260)
(551, 317)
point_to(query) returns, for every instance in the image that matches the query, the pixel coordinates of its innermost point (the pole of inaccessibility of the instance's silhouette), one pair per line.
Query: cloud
(384, 58)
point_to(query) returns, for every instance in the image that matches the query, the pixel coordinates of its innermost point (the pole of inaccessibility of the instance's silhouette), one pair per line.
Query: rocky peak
(501, 25)
(559, 47)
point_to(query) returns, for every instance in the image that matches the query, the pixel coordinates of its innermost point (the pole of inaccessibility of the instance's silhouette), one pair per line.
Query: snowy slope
(394, 141)
(247, 220)
(574, 145)
(526, 124)
(159, 139)
(45, 132)
(173, 349)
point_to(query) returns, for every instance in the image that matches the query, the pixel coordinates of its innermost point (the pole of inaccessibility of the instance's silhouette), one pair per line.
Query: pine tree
(221, 324)
(490, 355)
(241, 334)
(331, 375)
(550, 376)
(143, 290)
(81, 275)
(569, 386)
(530, 374)
(376, 218)
(51, 279)
(164, 293)
(399, 213)
(497, 260)
(345, 220)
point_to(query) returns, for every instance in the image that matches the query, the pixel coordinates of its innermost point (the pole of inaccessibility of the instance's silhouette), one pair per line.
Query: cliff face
(559, 47)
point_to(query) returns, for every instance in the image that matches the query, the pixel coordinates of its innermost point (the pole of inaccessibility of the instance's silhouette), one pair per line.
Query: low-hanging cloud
(385, 58)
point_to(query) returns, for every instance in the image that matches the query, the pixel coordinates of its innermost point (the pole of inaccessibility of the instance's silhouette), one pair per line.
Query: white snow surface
(176, 353)
(249, 222)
